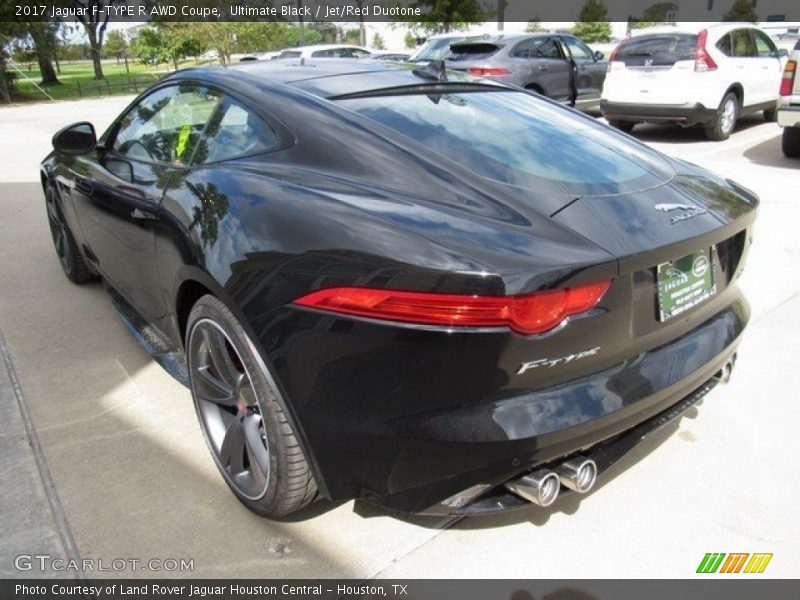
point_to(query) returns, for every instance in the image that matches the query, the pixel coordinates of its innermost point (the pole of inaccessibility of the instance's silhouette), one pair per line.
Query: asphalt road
(127, 475)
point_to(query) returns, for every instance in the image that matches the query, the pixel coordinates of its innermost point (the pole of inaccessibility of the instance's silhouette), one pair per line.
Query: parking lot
(126, 474)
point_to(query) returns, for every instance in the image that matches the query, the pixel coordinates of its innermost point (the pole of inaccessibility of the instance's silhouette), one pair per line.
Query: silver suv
(559, 66)
(789, 105)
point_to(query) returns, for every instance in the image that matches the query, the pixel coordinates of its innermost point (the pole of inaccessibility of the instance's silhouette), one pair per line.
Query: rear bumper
(407, 419)
(657, 113)
(789, 116)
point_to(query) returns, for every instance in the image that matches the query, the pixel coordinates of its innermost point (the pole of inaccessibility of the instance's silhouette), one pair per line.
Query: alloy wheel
(728, 115)
(58, 229)
(229, 410)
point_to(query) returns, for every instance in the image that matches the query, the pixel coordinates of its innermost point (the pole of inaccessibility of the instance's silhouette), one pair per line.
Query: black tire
(69, 255)
(791, 142)
(723, 124)
(234, 400)
(626, 126)
(771, 115)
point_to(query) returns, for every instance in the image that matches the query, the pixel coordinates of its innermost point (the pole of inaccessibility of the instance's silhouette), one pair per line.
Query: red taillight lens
(702, 59)
(488, 71)
(527, 314)
(787, 82)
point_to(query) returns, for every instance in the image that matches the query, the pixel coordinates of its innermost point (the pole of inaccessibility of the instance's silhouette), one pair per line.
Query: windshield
(515, 138)
(436, 49)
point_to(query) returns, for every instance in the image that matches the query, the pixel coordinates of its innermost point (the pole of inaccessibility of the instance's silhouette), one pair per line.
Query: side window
(166, 125)
(765, 47)
(578, 49)
(544, 49)
(359, 53)
(234, 131)
(522, 50)
(724, 45)
(743, 46)
(322, 54)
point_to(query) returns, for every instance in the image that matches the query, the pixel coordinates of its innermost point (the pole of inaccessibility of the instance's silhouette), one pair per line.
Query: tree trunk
(49, 76)
(98, 66)
(5, 94)
(127, 69)
(43, 56)
(175, 61)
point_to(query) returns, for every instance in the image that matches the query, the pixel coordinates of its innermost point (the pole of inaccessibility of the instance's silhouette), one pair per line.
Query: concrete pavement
(135, 480)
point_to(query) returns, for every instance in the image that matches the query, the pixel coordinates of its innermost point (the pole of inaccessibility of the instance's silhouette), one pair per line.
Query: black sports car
(395, 283)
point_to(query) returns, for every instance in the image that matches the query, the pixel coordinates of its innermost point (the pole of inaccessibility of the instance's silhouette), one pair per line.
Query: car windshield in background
(471, 51)
(515, 138)
(657, 50)
(434, 49)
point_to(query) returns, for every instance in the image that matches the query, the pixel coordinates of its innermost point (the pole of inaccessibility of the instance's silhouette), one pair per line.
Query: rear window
(474, 51)
(657, 50)
(520, 140)
(434, 49)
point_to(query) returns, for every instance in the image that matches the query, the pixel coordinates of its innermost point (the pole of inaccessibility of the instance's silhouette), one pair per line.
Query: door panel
(540, 61)
(118, 197)
(769, 69)
(590, 73)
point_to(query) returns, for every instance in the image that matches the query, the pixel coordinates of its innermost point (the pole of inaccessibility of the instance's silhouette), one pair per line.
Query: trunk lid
(652, 69)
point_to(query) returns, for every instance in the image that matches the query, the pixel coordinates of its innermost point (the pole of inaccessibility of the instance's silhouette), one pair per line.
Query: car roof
(691, 28)
(323, 77)
(503, 38)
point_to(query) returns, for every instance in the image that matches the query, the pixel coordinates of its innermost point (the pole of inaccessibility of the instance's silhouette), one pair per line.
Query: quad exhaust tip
(578, 474)
(540, 487)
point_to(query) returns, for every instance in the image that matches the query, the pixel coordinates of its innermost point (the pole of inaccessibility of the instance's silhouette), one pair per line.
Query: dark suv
(559, 66)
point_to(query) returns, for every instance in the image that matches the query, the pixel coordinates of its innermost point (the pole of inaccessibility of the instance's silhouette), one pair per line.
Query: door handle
(542, 68)
(142, 215)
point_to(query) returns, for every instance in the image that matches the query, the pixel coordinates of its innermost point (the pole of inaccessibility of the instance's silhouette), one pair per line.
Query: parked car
(558, 66)
(436, 47)
(389, 55)
(509, 308)
(325, 51)
(709, 77)
(789, 105)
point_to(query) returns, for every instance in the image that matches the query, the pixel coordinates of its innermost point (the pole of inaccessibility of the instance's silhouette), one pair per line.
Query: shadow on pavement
(675, 134)
(769, 154)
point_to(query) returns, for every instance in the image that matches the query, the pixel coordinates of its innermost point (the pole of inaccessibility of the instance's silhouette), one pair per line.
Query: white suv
(789, 105)
(709, 77)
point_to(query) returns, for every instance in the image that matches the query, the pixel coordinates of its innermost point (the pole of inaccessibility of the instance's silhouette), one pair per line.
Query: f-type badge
(554, 362)
(689, 211)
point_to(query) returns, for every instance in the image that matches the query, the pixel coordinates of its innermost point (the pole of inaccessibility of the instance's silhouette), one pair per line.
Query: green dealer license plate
(685, 283)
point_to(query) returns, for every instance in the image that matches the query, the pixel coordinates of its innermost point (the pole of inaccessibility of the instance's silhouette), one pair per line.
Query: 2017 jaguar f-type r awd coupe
(400, 284)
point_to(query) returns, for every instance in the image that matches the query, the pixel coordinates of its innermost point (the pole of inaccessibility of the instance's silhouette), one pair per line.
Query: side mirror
(782, 52)
(599, 55)
(75, 139)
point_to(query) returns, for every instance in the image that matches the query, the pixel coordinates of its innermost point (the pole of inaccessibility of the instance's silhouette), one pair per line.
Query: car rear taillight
(527, 313)
(702, 59)
(488, 71)
(787, 82)
(612, 57)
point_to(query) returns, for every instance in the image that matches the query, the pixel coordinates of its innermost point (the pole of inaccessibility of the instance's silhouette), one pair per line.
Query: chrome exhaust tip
(578, 474)
(540, 487)
(724, 374)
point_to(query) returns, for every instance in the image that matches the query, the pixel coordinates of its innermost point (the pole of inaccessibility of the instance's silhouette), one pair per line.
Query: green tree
(593, 25)
(410, 41)
(150, 46)
(117, 46)
(94, 18)
(377, 42)
(534, 25)
(43, 36)
(741, 11)
(9, 30)
(443, 16)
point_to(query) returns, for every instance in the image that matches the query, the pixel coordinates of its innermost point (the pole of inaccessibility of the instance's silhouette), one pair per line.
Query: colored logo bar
(737, 562)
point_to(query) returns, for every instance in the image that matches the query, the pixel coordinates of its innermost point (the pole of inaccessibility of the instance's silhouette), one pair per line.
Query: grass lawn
(77, 79)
